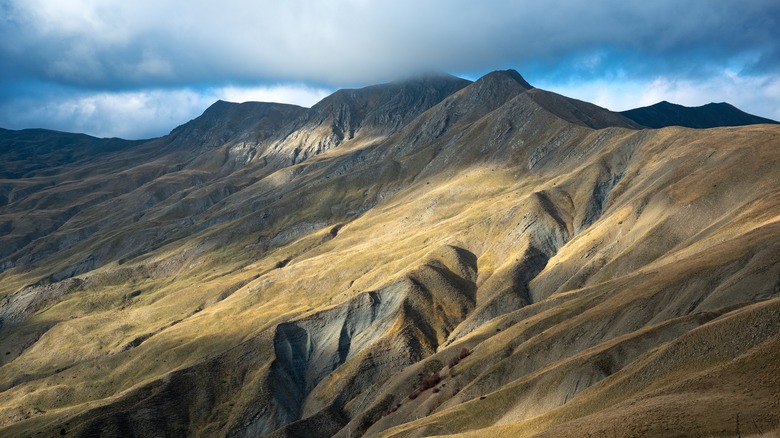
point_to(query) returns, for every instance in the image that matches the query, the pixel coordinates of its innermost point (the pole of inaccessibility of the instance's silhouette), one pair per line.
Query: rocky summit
(426, 257)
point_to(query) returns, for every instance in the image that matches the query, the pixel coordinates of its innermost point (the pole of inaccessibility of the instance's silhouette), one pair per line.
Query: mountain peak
(503, 75)
(222, 120)
(514, 75)
(434, 77)
(372, 111)
(218, 107)
(711, 115)
(495, 88)
(385, 106)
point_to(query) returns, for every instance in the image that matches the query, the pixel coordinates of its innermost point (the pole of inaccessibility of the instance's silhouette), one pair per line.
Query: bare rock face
(425, 257)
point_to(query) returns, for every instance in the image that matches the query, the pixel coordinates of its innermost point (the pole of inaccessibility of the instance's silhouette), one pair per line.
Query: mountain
(711, 115)
(425, 257)
(32, 152)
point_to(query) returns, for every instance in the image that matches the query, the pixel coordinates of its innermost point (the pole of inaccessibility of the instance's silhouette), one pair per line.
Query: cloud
(293, 94)
(137, 114)
(120, 43)
(99, 48)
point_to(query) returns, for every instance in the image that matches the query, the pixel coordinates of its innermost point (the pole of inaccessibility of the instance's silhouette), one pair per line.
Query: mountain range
(427, 257)
(712, 115)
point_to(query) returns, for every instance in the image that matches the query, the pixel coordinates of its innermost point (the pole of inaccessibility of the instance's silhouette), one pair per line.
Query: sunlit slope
(616, 281)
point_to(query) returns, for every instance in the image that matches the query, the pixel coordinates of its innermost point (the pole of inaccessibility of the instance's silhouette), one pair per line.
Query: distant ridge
(711, 115)
(27, 152)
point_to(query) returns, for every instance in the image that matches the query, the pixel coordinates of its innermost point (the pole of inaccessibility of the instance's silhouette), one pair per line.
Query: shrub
(464, 352)
(430, 381)
(393, 408)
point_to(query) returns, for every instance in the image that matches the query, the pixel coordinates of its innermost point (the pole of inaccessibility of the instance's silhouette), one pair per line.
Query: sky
(137, 69)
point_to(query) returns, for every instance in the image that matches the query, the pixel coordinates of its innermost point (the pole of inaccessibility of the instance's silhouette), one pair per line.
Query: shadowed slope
(581, 113)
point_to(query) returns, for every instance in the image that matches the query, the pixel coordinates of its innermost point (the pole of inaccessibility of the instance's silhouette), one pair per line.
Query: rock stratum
(427, 257)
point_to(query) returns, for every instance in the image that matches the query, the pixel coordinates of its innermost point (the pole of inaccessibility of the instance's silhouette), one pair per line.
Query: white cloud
(136, 114)
(139, 114)
(292, 94)
(351, 41)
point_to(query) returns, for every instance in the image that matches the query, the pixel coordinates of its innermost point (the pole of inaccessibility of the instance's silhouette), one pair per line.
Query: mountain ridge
(711, 115)
(30, 150)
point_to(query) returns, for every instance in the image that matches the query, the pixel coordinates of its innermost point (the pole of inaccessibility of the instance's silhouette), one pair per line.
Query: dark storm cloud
(103, 46)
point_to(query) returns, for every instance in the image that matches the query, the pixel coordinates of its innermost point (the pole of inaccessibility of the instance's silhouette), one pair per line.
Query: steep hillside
(420, 258)
(711, 115)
